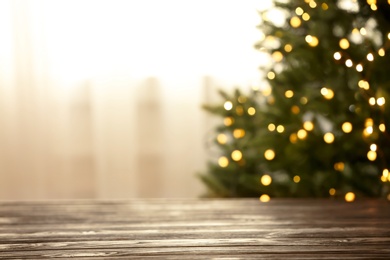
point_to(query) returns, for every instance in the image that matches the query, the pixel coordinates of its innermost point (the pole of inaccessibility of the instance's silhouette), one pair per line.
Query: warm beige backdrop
(101, 99)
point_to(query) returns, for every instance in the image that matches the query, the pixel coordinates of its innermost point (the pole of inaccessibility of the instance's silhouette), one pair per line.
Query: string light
(372, 101)
(339, 166)
(363, 31)
(289, 94)
(328, 138)
(337, 55)
(380, 101)
(327, 93)
(306, 17)
(228, 121)
(313, 4)
(344, 43)
(332, 191)
(222, 139)
(308, 125)
(296, 179)
(293, 138)
(302, 134)
(241, 99)
(381, 52)
(346, 127)
(223, 162)
(295, 110)
(311, 40)
(349, 63)
(295, 22)
(271, 127)
(236, 155)
(299, 11)
(269, 154)
(271, 75)
(239, 110)
(385, 173)
(349, 197)
(239, 133)
(265, 180)
(373, 147)
(288, 47)
(363, 84)
(251, 111)
(228, 105)
(382, 127)
(359, 68)
(370, 57)
(280, 129)
(324, 6)
(264, 198)
(303, 100)
(277, 56)
(371, 155)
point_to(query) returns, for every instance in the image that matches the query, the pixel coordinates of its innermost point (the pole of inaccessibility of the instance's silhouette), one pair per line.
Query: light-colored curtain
(102, 99)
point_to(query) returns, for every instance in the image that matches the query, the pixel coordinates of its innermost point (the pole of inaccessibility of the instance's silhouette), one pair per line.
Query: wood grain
(196, 229)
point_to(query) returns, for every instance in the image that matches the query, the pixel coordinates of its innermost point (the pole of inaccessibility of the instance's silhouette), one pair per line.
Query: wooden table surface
(196, 229)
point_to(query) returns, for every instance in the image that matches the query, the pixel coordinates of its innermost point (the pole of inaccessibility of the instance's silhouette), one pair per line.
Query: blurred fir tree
(319, 126)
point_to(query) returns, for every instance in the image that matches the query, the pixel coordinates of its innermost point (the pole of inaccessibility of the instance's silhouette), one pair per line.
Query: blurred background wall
(102, 98)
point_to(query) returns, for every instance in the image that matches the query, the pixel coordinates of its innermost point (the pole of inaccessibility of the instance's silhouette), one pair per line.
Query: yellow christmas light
(363, 31)
(269, 154)
(222, 138)
(271, 75)
(295, 110)
(312, 40)
(251, 111)
(382, 127)
(223, 162)
(308, 125)
(373, 147)
(359, 68)
(289, 94)
(363, 84)
(368, 131)
(228, 121)
(368, 122)
(299, 11)
(372, 101)
(370, 57)
(385, 173)
(383, 179)
(381, 101)
(239, 133)
(344, 43)
(266, 180)
(241, 99)
(295, 22)
(288, 47)
(293, 138)
(303, 100)
(388, 36)
(349, 63)
(339, 166)
(349, 197)
(374, 7)
(328, 138)
(228, 105)
(280, 129)
(277, 56)
(312, 4)
(264, 198)
(332, 191)
(346, 127)
(337, 55)
(271, 127)
(296, 179)
(327, 93)
(324, 6)
(370, 2)
(371, 155)
(306, 17)
(381, 52)
(236, 155)
(302, 134)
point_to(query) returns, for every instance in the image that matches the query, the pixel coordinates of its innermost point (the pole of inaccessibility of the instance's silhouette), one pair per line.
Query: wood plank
(190, 228)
